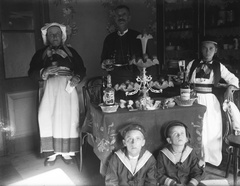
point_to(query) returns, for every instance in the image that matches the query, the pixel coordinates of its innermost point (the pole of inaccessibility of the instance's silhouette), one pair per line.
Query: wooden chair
(233, 142)
(92, 93)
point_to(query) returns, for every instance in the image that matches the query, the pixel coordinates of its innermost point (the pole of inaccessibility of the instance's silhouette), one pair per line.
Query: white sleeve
(229, 77)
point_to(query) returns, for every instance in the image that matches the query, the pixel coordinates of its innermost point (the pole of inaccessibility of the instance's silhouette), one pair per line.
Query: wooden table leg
(235, 165)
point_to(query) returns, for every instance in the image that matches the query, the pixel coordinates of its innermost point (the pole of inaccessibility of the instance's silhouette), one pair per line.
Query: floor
(16, 169)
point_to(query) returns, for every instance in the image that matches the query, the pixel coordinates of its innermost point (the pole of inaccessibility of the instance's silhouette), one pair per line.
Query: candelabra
(144, 82)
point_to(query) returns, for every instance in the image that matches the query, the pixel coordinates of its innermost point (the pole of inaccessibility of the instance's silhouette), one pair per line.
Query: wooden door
(20, 37)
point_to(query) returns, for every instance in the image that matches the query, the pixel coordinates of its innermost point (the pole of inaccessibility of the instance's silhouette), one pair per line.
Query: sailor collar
(186, 152)
(141, 161)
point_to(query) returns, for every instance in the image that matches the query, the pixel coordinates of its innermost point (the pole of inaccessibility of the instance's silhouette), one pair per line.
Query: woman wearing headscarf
(61, 68)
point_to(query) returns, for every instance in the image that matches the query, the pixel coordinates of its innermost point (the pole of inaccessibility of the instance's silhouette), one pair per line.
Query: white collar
(186, 152)
(131, 157)
(140, 163)
(121, 34)
(208, 62)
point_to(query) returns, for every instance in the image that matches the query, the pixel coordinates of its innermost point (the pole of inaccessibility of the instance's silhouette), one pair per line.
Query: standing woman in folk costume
(205, 74)
(60, 67)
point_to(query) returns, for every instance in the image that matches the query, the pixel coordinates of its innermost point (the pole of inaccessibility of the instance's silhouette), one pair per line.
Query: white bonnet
(47, 26)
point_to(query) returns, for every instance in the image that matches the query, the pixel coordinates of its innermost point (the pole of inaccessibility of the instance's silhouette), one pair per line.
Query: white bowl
(109, 108)
(181, 102)
(171, 104)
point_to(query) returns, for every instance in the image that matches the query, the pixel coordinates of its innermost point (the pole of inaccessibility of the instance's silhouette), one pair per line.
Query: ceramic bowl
(171, 104)
(181, 102)
(109, 108)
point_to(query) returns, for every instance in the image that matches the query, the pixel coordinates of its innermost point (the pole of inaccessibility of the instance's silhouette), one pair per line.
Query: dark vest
(216, 70)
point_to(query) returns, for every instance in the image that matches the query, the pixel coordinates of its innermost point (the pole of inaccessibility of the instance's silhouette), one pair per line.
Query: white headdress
(47, 26)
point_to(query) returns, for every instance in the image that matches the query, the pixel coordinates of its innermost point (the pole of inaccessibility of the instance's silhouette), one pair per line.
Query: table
(103, 127)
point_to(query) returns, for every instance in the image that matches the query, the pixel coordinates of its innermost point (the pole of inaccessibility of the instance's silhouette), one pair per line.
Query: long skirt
(212, 129)
(59, 117)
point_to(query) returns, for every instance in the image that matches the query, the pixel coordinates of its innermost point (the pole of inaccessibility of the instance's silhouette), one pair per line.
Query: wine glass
(109, 64)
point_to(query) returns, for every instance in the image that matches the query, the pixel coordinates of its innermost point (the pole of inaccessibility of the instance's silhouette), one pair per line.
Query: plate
(184, 103)
(152, 108)
(109, 108)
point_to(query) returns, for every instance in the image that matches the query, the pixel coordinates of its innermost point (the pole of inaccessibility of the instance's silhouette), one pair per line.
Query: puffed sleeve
(111, 178)
(229, 77)
(78, 65)
(36, 65)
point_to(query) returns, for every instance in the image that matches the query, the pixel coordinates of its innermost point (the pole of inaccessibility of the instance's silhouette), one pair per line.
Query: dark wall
(91, 18)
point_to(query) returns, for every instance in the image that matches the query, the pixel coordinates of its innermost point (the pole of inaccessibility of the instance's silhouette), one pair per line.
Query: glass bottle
(109, 93)
(103, 87)
(185, 89)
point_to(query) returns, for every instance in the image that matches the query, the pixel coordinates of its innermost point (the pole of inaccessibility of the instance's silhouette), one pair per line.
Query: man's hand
(107, 64)
(103, 65)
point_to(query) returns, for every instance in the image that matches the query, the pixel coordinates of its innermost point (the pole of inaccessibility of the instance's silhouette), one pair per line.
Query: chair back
(232, 118)
(229, 128)
(92, 91)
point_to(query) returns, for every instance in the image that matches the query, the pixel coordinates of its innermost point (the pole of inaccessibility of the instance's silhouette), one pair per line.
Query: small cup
(137, 103)
(122, 103)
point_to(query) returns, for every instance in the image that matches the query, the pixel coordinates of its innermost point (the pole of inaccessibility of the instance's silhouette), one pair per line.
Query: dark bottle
(185, 89)
(193, 92)
(103, 87)
(109, 93)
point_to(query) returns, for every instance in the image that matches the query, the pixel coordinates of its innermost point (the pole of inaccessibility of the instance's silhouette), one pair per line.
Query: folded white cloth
(217, 182)
(233, 112)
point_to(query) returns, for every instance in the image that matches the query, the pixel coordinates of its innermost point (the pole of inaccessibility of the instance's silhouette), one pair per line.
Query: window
(20, 26)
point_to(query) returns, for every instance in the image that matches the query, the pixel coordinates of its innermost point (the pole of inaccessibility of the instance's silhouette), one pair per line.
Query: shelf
(178, 51)
(223, 27)
(179, 30)
(178, 4)
(202, 16)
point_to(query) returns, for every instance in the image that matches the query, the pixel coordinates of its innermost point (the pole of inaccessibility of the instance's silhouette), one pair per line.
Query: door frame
(21, 84)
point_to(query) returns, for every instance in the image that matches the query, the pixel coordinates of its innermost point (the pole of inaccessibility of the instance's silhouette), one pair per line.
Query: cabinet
(177, 32)
(218, 18)
(182, 23)
(222, 20)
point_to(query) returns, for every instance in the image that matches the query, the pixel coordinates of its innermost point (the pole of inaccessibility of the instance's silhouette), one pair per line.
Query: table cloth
(103, 127)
